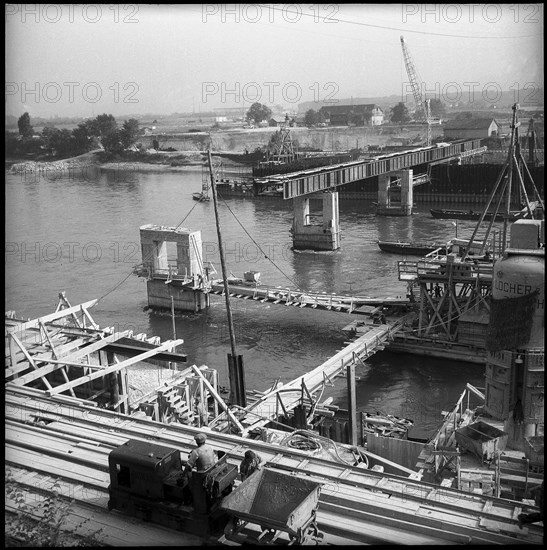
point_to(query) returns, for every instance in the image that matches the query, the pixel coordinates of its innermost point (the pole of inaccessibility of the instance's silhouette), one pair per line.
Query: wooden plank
(21, 367)
(48, 337)
(398, 529)
(500, 526)
(86, 350)
(219, 399)
(114, 368)
(69, 360)
(54, 316)
(295, 461)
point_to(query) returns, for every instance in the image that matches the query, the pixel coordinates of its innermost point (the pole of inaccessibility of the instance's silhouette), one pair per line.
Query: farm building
(358, 115)
(471, 128)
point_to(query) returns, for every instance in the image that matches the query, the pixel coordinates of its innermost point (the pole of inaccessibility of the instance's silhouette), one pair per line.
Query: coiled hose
(307, 440)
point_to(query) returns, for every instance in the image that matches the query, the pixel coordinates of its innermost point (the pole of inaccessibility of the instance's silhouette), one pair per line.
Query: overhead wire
(405, 29)
(143, 260)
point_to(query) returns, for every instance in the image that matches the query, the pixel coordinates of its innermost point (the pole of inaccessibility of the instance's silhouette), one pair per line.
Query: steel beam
(306, 182)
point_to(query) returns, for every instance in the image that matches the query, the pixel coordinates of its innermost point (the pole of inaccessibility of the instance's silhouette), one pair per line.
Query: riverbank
(148, 167)
(179, 161)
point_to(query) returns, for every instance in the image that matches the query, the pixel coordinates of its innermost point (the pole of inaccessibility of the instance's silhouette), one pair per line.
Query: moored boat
(200, 196)
(411, 248)
(472, 215)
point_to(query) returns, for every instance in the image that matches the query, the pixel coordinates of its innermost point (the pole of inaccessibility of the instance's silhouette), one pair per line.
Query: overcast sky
(70, 60)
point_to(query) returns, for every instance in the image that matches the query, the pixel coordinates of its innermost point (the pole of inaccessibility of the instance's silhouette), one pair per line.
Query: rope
(144, 259)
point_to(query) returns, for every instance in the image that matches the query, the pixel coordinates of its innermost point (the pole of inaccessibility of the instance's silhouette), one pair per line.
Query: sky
(132, 59)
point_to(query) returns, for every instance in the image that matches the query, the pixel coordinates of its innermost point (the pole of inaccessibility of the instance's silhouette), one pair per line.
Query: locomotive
(147, 481)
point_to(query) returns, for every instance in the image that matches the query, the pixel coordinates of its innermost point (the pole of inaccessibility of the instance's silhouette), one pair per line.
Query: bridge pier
(319, 236)
(387, 206)
(179, 285)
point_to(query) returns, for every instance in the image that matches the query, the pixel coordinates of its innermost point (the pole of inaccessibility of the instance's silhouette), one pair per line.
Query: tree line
(398, 114)
(62, 143)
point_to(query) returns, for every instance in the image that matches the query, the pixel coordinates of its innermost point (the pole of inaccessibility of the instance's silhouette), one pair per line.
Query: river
(81, 235)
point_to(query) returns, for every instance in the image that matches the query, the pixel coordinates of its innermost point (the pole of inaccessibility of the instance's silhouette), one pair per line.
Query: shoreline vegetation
(96, 161)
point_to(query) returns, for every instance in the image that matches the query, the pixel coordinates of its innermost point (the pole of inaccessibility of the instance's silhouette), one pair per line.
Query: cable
(143, 260)
(266, 256)
(406, 30)
(257, 245)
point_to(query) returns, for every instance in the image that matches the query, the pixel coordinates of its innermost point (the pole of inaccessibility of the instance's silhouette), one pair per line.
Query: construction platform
(49, 439)
(68, 405)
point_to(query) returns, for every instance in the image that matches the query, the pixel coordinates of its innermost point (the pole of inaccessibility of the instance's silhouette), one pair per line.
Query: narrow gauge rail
(357, 505)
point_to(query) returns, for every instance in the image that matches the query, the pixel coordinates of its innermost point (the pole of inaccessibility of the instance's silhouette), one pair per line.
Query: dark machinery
(147, 481)
(270, 504)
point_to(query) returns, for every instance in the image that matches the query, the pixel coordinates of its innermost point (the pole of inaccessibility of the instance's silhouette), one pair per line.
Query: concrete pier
(173, 281)
(387, 206)
(316, 236)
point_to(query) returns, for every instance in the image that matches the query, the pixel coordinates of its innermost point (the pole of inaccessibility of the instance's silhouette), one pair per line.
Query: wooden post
(173, 317)
(215, 385)
(216, 396)
(113, 381)
(352, 404)
(458, 471)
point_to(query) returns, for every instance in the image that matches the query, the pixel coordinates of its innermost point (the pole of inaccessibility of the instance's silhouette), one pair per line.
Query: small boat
(200, 196)
(411, 249)
(471, 215)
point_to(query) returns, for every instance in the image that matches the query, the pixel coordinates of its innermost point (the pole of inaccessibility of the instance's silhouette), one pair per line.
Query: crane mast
(422, 106)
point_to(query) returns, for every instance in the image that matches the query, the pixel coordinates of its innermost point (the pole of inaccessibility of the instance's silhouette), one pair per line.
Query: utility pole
(235, 362)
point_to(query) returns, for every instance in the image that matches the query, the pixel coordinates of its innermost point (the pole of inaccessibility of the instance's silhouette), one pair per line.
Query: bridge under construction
(68, 405)
(323, 183)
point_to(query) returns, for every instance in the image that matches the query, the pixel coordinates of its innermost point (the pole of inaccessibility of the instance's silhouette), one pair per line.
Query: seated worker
(203, 457)
(250, 464)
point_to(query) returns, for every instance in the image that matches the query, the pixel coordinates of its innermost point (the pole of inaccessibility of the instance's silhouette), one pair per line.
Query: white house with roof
(471, 128)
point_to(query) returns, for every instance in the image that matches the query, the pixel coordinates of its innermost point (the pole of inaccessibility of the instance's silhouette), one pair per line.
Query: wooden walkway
(357, 506)
(286, 397)
(301, 299)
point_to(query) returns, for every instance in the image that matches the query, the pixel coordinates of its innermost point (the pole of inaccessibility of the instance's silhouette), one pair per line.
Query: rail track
(60, 438)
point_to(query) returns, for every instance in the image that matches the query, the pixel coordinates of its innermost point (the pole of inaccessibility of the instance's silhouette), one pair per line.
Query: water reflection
(275, 340)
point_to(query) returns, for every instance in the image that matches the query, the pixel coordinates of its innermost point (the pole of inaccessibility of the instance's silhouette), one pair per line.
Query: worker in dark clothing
(203, 457)
(534, 517)
(250, 464)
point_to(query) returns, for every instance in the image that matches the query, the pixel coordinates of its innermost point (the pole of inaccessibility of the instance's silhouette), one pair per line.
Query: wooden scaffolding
(66, 353)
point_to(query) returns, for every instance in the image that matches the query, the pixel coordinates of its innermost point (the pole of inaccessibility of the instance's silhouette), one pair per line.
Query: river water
(81, 235)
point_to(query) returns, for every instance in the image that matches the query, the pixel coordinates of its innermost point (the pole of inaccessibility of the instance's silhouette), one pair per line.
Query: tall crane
(422, 104)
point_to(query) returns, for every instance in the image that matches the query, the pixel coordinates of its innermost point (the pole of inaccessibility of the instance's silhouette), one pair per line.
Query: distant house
(276, 120)
(471, 128)
(280, 120)
(358, 115)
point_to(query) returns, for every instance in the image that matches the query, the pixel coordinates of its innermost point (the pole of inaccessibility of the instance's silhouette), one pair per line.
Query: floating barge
(444, 214)
(411, 248)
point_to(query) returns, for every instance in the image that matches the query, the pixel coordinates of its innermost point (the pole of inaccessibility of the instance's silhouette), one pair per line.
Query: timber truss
(67, 354)
(67, 357)
(446, 291)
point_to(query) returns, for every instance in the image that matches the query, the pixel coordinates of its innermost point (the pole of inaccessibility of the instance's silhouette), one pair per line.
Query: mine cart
(481, 439)
(276, 502)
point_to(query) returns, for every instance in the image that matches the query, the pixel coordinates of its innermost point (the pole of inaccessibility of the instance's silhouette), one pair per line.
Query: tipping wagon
(481, 439)
(269, 503)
